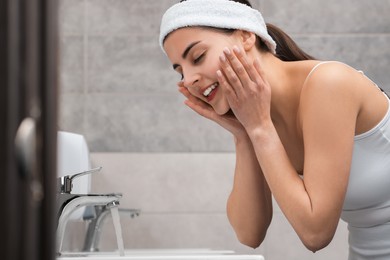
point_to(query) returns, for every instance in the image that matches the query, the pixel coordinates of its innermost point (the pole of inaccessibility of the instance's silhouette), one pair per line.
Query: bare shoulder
(332, 77)
(330, 99)
(332, 84)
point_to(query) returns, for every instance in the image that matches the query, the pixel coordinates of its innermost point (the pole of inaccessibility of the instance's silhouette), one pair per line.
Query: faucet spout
(108, 200)
(92, 238)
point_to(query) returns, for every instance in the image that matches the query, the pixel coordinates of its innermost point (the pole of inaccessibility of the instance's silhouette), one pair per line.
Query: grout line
(344, 35)
(182, 212)
(132, 34)
(85, 65)
(85, 46)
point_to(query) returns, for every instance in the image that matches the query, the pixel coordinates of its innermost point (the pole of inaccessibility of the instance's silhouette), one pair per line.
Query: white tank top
(366, 206)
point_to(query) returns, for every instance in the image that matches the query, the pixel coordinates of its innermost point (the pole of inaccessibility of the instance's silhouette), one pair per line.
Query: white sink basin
(161, 254)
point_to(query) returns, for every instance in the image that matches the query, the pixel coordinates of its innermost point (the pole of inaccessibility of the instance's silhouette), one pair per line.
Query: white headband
(215, 13)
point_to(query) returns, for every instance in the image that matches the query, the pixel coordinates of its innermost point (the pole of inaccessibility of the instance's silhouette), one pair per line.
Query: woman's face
(194, 53)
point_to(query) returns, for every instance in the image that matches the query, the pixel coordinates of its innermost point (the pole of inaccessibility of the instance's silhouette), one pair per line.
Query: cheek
(214, 64)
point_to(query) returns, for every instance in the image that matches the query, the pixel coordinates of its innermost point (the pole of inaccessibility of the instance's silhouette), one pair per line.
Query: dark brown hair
(286, 48)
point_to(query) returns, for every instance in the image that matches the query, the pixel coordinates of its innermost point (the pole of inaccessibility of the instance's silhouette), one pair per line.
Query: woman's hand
(245, 87)
(227, 121)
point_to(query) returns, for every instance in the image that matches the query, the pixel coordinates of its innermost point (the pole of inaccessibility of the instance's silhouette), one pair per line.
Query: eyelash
(196, 61)
(199, 58)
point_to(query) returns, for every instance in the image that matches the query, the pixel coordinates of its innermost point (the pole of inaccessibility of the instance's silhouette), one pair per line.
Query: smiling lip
(209, 92)
(212, 94)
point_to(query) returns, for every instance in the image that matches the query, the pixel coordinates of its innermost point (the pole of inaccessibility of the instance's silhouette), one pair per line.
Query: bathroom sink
(161, 254)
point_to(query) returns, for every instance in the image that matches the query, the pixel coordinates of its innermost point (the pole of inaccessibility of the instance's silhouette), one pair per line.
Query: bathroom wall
(119, 91)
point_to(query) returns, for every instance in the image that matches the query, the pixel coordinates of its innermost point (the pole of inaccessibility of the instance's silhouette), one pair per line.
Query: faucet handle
(65, 183)
(84, 173)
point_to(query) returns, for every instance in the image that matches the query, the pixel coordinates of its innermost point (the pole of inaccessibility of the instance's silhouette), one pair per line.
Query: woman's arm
(249, 206)
(313, 204)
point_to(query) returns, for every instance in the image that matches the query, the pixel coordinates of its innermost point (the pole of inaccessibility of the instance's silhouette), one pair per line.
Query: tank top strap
(360, 71)
(314, 68)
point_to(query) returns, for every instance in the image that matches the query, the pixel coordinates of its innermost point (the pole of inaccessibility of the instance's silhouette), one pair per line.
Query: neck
(286, 80)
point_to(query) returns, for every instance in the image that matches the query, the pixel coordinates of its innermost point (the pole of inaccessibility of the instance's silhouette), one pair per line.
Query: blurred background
(118, 89)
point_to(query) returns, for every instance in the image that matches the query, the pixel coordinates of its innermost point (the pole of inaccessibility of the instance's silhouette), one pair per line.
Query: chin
(221, 107)
(222, 110)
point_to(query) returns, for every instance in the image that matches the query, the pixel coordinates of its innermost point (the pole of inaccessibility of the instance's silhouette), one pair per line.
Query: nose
(190, 78)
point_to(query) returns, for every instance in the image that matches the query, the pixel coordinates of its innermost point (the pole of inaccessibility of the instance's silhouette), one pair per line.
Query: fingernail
(226, 50)
(222, 58)
(236, 49)
(219, 73)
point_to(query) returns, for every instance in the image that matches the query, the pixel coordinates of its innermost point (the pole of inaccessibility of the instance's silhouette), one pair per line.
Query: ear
(248, 40)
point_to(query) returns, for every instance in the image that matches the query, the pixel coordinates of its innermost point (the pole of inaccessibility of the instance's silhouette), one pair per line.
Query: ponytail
(286, 48)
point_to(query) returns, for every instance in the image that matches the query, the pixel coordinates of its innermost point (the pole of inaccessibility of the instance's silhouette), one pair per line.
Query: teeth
(207, 92)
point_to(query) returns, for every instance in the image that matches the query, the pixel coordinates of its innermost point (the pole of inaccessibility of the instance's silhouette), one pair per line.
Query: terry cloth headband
(215, 13)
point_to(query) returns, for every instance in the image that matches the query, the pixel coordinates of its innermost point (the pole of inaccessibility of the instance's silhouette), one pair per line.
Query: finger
(191, 98)
(249, 68)
(185, 92)
(240, 66)
(180, 84)
(182, 89)
(229, 74)
(223, 81)
(200, 107)
(228, 90)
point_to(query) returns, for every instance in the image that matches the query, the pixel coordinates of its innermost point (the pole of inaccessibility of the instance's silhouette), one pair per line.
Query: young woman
(315, 135)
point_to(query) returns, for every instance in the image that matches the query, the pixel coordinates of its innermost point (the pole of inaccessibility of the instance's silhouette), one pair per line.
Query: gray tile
(162, 231)
(368, 53)
(71, 64)
(150, 123)
(179, 208)
(133, 64)
(180, 231)
(333, 16)
(125, 16)
(71, 113)
(160, 182)
(283, 243)
(71, 16)
(256, 4)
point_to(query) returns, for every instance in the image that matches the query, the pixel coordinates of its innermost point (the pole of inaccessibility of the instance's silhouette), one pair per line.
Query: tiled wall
(119, 91)
(182, 204)
(118, 87)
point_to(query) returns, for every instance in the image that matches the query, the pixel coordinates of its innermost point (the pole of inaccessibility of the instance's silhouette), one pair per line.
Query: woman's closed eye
(199, 58)
(195, 61)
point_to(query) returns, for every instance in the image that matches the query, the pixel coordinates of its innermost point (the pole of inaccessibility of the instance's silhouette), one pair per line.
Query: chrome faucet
(67, 202)
(64, 189)
(92, 238)
(108, 200)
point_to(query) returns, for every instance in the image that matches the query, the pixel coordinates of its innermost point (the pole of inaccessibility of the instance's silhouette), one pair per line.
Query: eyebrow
(186, 51)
